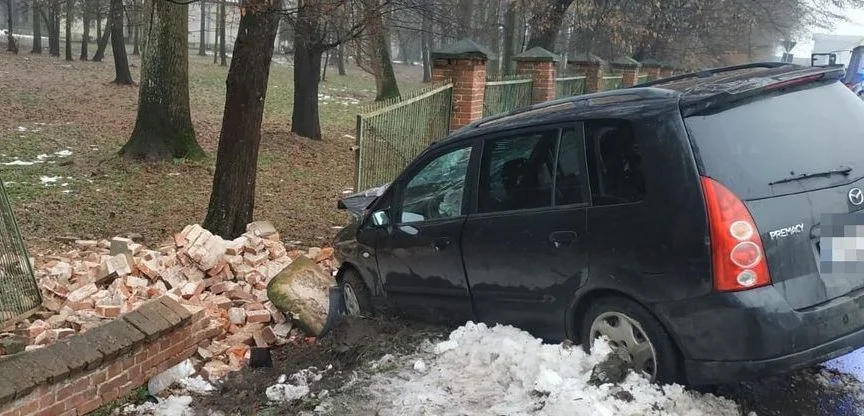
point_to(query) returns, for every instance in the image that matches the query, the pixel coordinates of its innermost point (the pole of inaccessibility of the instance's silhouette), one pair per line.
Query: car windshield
(784, 143)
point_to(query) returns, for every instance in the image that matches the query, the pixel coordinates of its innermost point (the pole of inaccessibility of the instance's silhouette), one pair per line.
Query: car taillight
(736, 249)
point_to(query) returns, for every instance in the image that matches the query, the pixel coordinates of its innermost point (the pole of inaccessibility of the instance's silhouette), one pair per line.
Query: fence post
(652, 67)
(629, 68)
(540, 65)
(592, 66)
(464, 64)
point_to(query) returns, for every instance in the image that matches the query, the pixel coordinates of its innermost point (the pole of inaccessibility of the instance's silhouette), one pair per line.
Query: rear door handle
(441, 243)
(563, 238)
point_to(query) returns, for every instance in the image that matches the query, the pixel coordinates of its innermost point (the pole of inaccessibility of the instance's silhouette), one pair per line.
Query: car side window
(614, 163)
(516, 172)
(437, 190)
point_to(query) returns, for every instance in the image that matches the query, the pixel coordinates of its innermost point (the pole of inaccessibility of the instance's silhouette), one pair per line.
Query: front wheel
(635, 334)
(355, 294)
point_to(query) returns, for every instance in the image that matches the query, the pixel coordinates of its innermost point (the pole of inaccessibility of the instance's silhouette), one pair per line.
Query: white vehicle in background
(853, 77)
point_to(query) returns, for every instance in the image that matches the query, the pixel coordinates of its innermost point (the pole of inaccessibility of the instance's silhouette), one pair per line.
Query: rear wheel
(356, 295)
(635, 334)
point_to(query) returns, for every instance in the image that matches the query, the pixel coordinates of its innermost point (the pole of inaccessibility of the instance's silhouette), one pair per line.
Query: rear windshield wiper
(841, 171)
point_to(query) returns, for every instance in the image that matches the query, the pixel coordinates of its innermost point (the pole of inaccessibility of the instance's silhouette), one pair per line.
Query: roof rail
(705, 73)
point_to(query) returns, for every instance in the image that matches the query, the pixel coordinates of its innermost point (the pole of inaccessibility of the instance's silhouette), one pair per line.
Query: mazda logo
(856, 196)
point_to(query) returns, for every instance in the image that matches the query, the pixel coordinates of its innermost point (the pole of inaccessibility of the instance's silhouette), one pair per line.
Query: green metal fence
(506, 94)
(19, 293)
(569, 86)
(391, 134)
(612, 82)
(641, 79)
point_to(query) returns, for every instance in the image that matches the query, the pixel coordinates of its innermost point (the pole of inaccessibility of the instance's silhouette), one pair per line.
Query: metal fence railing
(19, 293)
(612, 82)
(506, 94)
(641, 79)
(569, 86)
(391, 134)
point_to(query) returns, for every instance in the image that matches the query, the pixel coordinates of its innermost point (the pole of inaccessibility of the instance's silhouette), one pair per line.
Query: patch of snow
(170, 406)
(63, 153)
(420, 366)
(502, 370)
(47, 180)
(18, 162)
(22, 128)
(286, 392)
(170, 376)
(196, 384)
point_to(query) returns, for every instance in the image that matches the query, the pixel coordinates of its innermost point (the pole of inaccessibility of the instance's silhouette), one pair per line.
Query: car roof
(701, 88)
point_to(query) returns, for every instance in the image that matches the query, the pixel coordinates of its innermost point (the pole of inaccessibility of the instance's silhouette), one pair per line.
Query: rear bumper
(726, 337)
(719, 372)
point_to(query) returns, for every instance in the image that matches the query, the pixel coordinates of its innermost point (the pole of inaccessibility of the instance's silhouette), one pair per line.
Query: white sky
(855, 26)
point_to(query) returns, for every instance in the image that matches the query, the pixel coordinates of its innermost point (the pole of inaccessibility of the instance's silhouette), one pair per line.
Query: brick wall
(469, 87)
(543, 74)
(81, 373)
(593, 75)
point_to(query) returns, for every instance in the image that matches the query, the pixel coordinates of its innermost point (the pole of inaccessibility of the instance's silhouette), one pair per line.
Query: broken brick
(259, 316)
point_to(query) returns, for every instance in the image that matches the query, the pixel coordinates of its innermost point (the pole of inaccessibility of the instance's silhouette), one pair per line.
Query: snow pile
(288, 389)
(171, 406)
(505, 371)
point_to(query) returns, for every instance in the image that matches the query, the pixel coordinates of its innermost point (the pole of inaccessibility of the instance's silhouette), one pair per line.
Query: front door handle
(562, 238)
(441, 243)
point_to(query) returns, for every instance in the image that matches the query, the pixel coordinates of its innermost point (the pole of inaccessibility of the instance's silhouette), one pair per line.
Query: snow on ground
(505, 371)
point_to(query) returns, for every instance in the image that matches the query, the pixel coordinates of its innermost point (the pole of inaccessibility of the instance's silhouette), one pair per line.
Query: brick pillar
(653, 68)
(629, 69)
(539, 64)
(667, 71)
(592, 67)
(463, 64)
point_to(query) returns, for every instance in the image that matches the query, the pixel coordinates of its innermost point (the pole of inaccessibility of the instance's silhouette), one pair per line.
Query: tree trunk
(216, 36)
(324, 68)
(136, 33)
(163, 128)
(307, 67)
(340, 59)
(12, 45)
(69, 17)
(37, 29)
(465, 18)
(118, 46)
(386, 79)
(98, 4)
(202, 34)
(233, 197)
(509, 38)
(52, 23)
(85, 39)
(222, 20)
(426, 41)
(103, 42)
(545, 23)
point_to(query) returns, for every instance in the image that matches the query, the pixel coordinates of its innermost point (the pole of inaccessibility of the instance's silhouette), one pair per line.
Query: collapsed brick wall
(79, 374)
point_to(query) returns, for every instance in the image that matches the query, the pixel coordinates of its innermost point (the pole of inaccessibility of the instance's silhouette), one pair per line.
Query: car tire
(665, 356)
(355, 294)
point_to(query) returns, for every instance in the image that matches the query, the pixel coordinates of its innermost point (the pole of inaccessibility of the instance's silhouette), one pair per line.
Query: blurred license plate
(841, 246)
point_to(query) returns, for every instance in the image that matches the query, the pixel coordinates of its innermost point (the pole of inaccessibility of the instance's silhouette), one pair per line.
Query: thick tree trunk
(118, 46)
(340, 59)
(385, 78)
(545, 23)
(103, 43)
(233, 197)
(307, 67)
(85, 39)
(12, 45)
(223, 59)
(202, 33)
(37, 29)
(52, 23)
(69, 5)
(163, 127)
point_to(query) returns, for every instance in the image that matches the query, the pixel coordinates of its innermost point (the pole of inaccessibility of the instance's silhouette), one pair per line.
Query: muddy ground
(352, 343)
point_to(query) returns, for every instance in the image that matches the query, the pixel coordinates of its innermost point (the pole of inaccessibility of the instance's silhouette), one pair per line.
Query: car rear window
(807, 131)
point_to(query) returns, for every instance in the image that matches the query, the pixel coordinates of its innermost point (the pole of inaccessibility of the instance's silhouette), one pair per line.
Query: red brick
(55, 409)
(112, 385)
(29, 408)
(72, 388)
(90, 405)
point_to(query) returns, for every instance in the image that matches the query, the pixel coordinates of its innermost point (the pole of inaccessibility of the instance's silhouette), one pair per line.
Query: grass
(49, 105)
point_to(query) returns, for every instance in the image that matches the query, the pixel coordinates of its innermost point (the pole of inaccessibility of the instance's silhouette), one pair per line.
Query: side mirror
(380, 218)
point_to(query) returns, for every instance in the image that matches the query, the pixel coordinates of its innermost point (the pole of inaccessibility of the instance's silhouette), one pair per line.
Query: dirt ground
(351, 344)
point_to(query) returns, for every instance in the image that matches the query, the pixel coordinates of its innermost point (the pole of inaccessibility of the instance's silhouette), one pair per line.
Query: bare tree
(87, 6)
(69, 17)
(232, 199)
(37, 28)
(12, 45)
(118, 46)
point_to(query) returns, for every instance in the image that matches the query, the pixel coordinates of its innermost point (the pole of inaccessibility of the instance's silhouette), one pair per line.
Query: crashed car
(708, 225)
